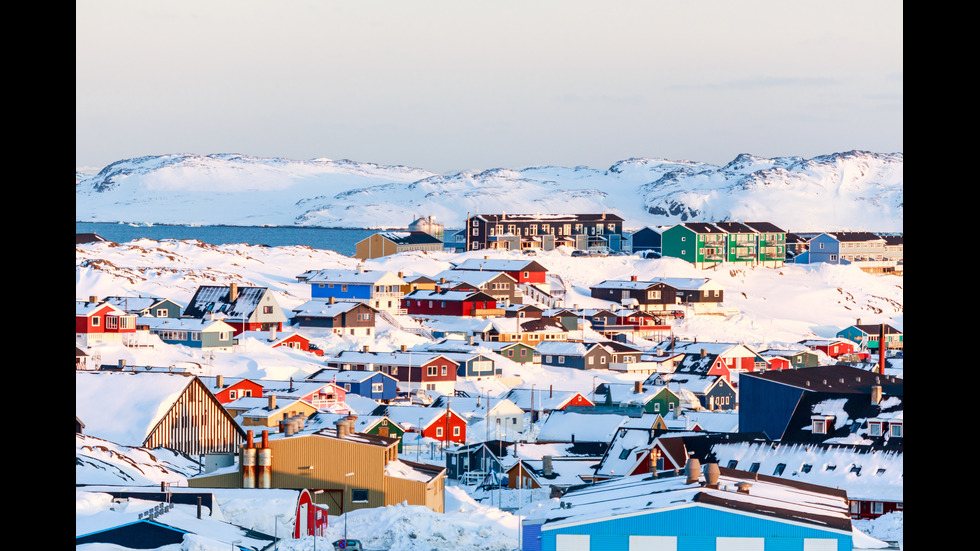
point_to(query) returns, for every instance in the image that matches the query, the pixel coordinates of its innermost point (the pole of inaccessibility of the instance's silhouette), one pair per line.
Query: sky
(449, 86)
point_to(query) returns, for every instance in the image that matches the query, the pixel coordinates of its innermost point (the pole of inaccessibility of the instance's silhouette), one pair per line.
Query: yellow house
(342, 469)
(392, 242)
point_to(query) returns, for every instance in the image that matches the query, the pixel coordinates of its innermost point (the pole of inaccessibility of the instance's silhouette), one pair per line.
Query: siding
(696, 528)
(197, 423)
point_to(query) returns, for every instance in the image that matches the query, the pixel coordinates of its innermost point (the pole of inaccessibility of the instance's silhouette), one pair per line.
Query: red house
(229, 389)
(442, 424)
(276, 339)
(97, 321)
(450, 303)
(523, 271)
(413, 370)
(831, 347)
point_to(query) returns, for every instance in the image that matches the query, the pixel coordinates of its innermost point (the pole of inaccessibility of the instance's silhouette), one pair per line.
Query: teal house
(719, 509)
(203, 333)
(869, 336)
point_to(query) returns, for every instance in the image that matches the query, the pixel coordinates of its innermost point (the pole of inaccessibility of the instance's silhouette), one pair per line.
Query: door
(383, 431)
(571, 542)
(653, 543)
(304, 518)
(740, 544)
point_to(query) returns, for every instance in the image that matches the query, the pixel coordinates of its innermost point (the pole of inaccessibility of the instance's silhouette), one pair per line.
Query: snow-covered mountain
(855, 190)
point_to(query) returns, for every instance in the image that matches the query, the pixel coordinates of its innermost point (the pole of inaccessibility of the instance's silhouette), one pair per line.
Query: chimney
(693, 470)
(438, 289)
(122, 365)
(272, 401)
(858, 321)
(365, 348)
(401, 275)
(546, 465)
(654, 458)
(633, 278)
(551, 391)
(93, 298)
(360, 268)
(290, 384)
(711, 474)
(704, 352)
(233, 292)
(221, 381)
(637, 387)
(442, 280)
(876, 394)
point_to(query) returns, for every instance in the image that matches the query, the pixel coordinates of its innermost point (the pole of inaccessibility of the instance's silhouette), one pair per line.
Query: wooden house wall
(197, 423)
(331, 458)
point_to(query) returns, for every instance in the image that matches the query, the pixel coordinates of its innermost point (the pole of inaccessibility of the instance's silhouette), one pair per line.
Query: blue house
(722, 509)
(378, 289)
(786, 404)
(370, 384)
(647, 239)
(205, 333)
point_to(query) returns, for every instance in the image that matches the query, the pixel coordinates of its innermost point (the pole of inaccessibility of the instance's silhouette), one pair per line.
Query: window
(874, 429)
(445, 370)
(806, 468)
(455, 431)
(343, 288)
(819, 426)
(754, 468)
(653, 295)
(880, 471)
(95, 321)
(561, 359)
(358, 496)
(438, 432)
(231, 394)
(877, 508)
(267, 309)
(432, 370)
(347, 386)
(779, 469)
(896, 430)
(856, 469)
(377, 387)
(855, 507)
(732, 463)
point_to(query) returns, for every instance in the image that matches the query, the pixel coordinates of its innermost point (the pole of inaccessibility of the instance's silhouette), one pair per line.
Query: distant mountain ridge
(853, 191)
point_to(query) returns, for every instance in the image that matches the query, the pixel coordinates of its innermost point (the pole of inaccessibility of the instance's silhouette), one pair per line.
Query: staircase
(420, 331)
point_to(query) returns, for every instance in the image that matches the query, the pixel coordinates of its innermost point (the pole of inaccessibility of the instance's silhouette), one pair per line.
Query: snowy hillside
(777, 307)
(853, 191)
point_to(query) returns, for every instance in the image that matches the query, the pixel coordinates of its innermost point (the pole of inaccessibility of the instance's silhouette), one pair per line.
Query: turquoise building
(718, 510)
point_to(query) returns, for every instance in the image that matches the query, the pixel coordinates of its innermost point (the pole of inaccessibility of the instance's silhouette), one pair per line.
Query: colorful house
(535, 231)
(147, 307)
(97, 321)
(522, 271)
(229, 389)
(413, 370)
(205, 333)
(245, 308)
(444, 302)
(442, 423)
(370, 384)
(393, 242)
(276, 339)
(381, 290)
(868, 335)
(699, 243)
(353, 318)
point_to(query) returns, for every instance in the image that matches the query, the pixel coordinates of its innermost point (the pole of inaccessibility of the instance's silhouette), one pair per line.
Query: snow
(776, 309)
(828, 192)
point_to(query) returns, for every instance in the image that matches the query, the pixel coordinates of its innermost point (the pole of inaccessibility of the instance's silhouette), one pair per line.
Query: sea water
(341, 240)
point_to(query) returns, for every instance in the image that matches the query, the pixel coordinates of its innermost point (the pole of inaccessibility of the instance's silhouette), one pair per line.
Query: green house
(699, 243)
(741, 243)
(771, 243)
(383, 426)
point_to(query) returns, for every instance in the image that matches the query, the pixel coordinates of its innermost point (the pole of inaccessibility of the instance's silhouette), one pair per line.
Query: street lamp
(345, 505)
(279, 516)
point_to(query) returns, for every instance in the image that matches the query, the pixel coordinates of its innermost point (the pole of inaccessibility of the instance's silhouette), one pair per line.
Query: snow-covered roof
(325, 309)
(565, 426)
(825, 508)
(675, 282)
(363, 277)
(880, 476)
(124, 407)
(213, 299)
(496, 264)
(184, 324)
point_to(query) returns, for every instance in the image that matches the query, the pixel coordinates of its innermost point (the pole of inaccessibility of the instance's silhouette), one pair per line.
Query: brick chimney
(233, 292)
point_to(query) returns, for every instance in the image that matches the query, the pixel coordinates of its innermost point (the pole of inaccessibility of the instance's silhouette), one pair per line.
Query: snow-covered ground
(776, 308)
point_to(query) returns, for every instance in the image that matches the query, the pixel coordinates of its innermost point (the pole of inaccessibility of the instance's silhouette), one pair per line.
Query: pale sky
(463, 85)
